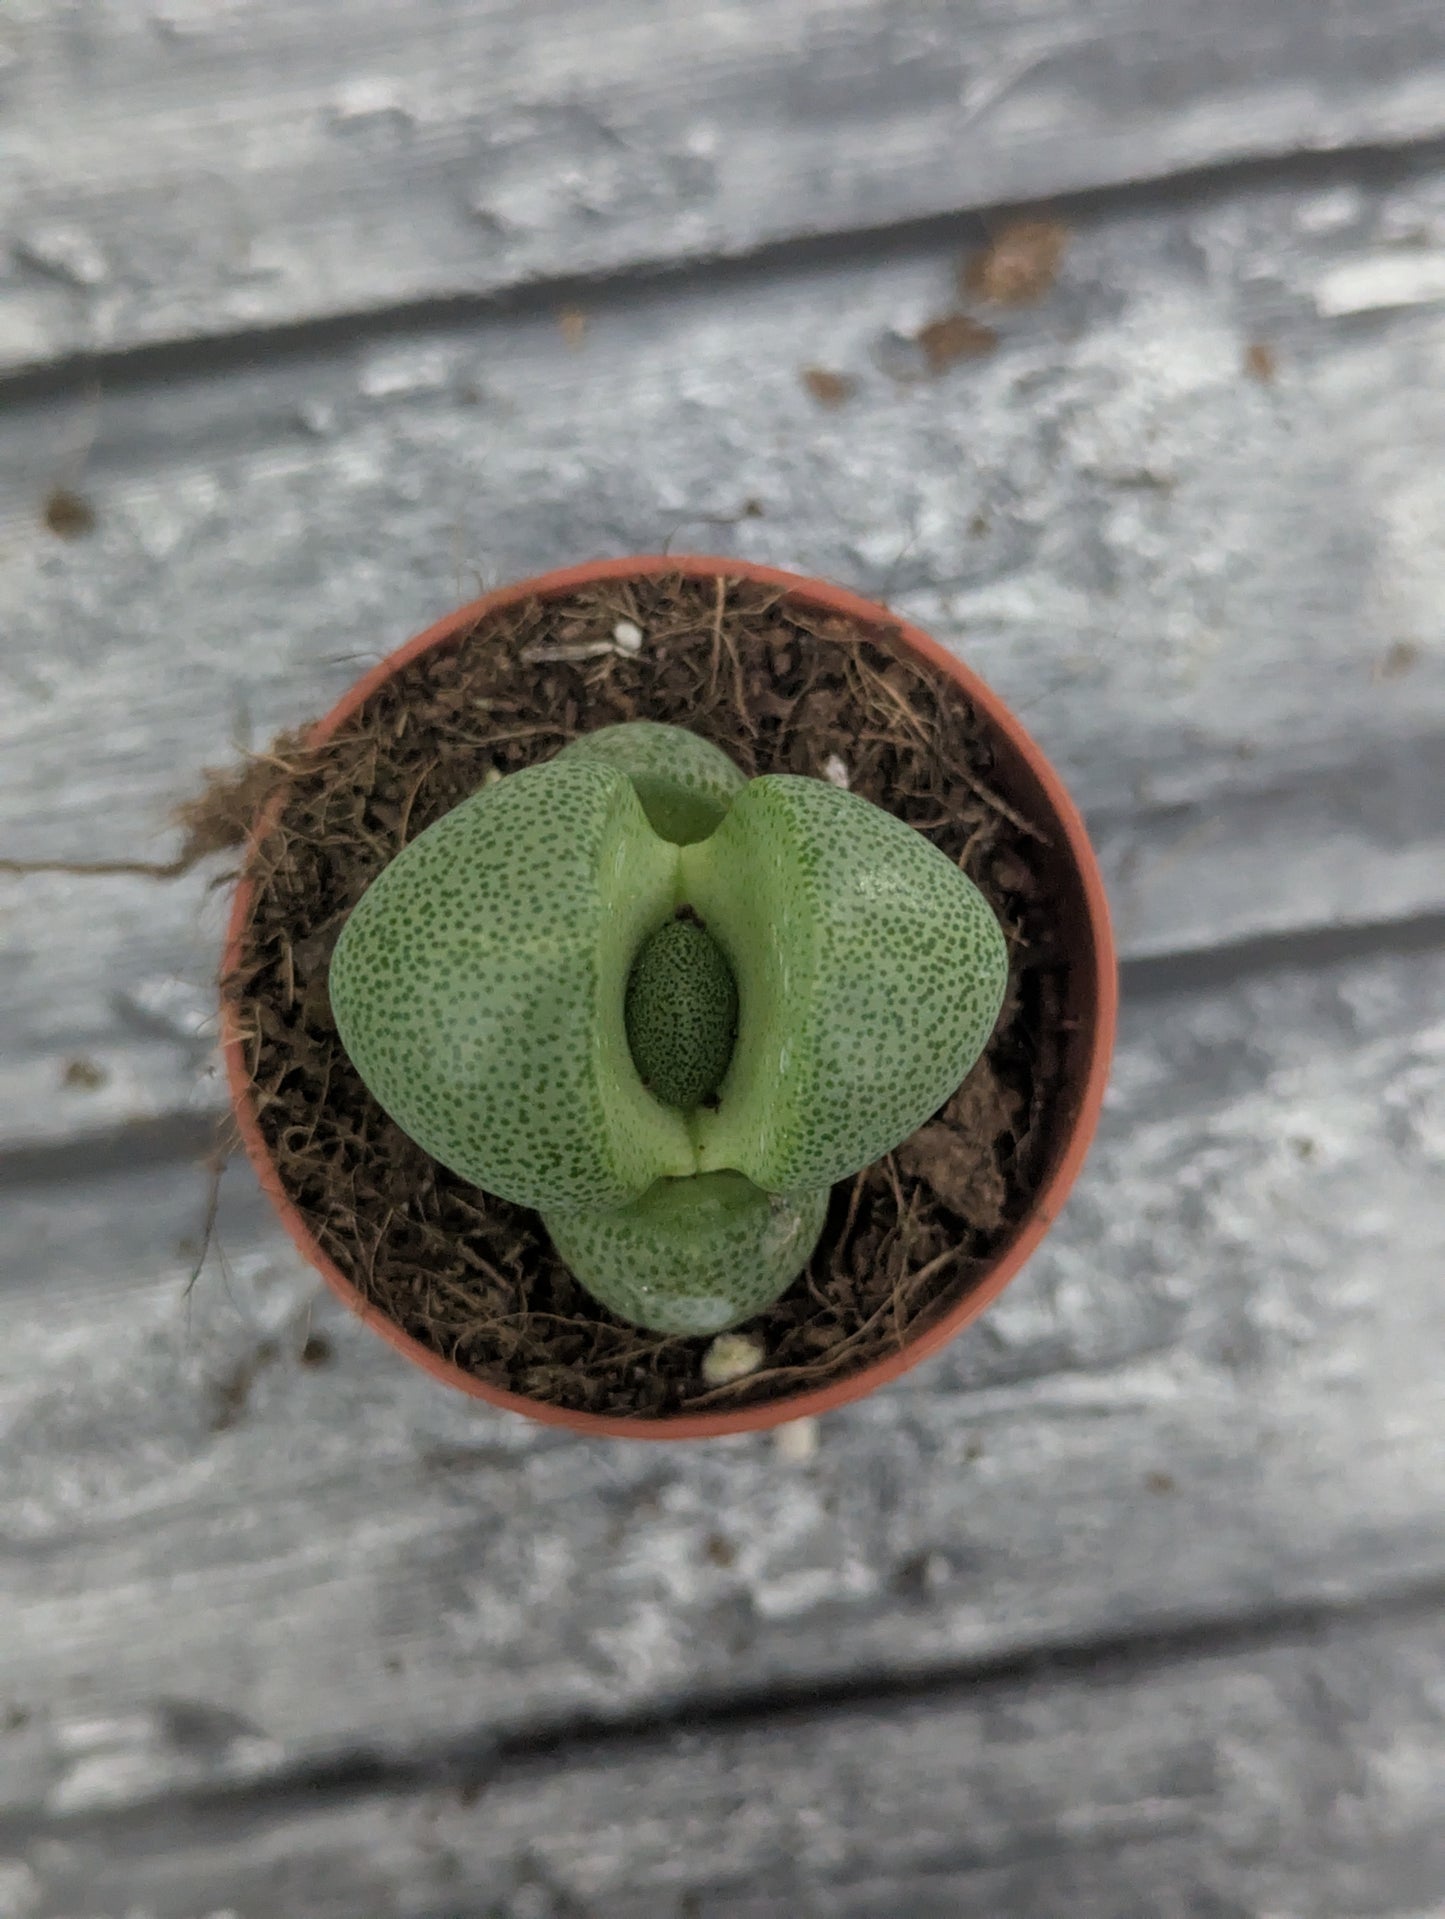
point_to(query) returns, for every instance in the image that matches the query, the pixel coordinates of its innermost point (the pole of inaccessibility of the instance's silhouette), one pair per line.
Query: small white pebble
(626, 637)
(731, 1356)
(492, 775)
(835, 772)
(797, 1442)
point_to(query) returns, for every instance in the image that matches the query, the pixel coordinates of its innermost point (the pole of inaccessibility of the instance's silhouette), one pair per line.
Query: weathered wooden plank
(1299, 1777)
(254, 166)
(1216, 1391)
(1220, 602)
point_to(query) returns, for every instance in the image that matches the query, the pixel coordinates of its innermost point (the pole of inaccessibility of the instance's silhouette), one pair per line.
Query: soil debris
(218, 818)
(69, 515)
(1402, 657)
(828, 389)
(1019, 265)
(953, 337)
(232, 1391)
(86, 1075)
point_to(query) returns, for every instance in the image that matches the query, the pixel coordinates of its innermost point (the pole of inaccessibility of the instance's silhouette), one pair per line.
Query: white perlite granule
(731, 1356)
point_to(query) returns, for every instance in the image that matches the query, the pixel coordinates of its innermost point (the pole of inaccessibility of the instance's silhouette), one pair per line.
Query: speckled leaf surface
(685, 783)
(477, 987)
(692, 1255)
(870, 973)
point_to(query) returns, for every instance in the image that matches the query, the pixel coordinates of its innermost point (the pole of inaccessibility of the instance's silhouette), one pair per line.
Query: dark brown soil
(781, 689)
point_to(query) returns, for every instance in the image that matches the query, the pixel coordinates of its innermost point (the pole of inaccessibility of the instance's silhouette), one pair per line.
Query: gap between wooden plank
(1217, 599)
(1292, 1776)
(118, 370)
(226, 170)
(1212, 1396)
(471, 1762)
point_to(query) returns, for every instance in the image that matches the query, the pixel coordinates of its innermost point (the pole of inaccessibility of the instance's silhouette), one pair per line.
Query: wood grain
(267, 164)
(1219, 602)
(1214, 1394)
(1299, 1777)
(1126, 1607)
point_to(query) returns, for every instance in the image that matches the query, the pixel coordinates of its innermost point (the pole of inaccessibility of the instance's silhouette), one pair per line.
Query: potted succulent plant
(661, 948)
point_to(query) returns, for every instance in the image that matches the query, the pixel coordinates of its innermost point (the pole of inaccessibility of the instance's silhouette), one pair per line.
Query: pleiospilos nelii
(668, 1007)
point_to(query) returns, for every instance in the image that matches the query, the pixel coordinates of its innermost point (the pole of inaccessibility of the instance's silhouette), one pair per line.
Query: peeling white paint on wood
(180, 171)
(1298, 1778)
(1187, 518)
(1219, 602)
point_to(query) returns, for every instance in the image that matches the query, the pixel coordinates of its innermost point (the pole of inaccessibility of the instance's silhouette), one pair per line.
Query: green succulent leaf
(870, 973)
(478, 989)
(692, 1255)
(681, 1013)
(685, 783)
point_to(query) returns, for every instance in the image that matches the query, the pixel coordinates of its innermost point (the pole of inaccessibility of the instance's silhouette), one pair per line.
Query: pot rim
(1089, 1081)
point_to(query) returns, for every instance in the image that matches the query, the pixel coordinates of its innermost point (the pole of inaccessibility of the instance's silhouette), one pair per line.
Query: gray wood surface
(1220, 603)
(1296, 1778)
(1131, 1602)
(185, 169)
(1216, 1391)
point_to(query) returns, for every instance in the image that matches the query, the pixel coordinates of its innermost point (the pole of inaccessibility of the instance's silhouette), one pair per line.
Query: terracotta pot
(1091, 1000)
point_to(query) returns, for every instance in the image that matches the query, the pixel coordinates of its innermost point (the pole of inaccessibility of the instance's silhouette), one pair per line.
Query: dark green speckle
(682, 1013)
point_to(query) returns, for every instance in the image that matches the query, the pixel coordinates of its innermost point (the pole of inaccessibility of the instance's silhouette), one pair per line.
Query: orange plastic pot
(1068, 869)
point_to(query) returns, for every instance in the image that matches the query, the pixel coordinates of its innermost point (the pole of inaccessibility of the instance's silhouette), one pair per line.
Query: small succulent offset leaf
(870, 973)
(478, 989)
(692, 1255)
(684, 782)
(681, 1012)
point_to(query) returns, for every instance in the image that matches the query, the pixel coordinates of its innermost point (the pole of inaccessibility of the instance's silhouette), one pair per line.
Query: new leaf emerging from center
(681, 1013)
